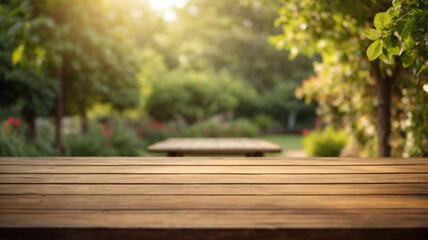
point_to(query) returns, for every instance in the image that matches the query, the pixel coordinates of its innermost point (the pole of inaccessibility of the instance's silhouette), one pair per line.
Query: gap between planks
(214, 169)
(211, 202)
(216, 189)
(205, 219)
(212, 178)
(212, 161)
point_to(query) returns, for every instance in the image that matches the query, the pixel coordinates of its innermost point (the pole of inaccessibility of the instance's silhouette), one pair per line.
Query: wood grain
(138, 202)
(213, 178)
(216, 169)
(208, 161)
(215, 197)
(215, 189)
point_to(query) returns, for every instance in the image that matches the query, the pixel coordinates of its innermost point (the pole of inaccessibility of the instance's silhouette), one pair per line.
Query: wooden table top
(227, 198)
(215, 146)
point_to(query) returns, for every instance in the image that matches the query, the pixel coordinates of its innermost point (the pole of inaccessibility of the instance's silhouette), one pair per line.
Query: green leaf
(17, 54)
(372, 34)
(374, 50)
(391, 44)
(382, 20)
(409, 58)
(397, 2)
(405, 33)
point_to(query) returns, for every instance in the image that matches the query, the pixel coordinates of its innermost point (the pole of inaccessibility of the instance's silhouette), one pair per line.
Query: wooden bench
(250, 147)
(213, 198)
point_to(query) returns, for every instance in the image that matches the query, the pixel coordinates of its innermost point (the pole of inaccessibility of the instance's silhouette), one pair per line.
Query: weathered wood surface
(247, 146)
(213, 198)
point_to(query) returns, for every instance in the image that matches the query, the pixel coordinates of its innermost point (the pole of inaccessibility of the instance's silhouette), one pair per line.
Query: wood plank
(216, 233)
(212, 178)
(216, 189)
(135, 202)
(216, 169)
(210, 161)
(210, 219)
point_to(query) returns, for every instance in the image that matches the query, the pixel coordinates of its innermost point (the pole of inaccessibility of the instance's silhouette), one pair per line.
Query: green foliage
(154, 131)
(14, 144)
(192, 96)
(125, 141)
(325, 143)
(92, 144)
(402, 32)
(91, 38)
(32, 93)
(238, 128)
(263, 121)
(233, 36)
(345, 82)
(104, 140)
(11, 145)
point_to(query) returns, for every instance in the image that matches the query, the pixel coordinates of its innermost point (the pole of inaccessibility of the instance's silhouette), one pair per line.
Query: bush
(11, 146)
(193, 96)
(264, 122)
(152, 131)
(326, 143)
(125, 141)
(239, 128)
(103, 140)
(92, 144)
(12, 142)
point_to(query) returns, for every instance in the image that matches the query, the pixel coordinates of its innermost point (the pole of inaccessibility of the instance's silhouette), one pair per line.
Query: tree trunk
(383, 113)
(30, 119)
(59, 111)
(83, 120)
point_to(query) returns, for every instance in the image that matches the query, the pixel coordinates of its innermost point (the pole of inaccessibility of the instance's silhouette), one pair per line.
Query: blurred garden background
(110, 77)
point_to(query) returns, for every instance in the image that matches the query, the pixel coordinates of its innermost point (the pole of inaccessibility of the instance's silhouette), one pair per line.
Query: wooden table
(250, 147)
(211, 198)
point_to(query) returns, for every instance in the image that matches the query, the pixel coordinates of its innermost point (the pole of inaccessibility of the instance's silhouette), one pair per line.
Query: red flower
(319, 121)
(305, 131)
(106, 131)
(13, 121)
(107, 143)
(17, 122)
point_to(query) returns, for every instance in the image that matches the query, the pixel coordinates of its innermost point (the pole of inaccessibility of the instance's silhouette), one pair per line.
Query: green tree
(84, 46)
(192, 95)
(348, 86)
(233, 35)
(401, 36)
(30, 92)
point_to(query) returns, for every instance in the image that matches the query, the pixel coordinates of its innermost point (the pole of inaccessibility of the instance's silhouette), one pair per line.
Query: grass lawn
(285, 141)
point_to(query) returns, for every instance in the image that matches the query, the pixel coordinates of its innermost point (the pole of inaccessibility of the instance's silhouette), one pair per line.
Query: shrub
(326, 143)
(91, 144)
(239, 128)
(11, 146)
(192, 95)
(12, 142)
(152, 131)
(264, 122)
(104, 140)
(124, 140)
